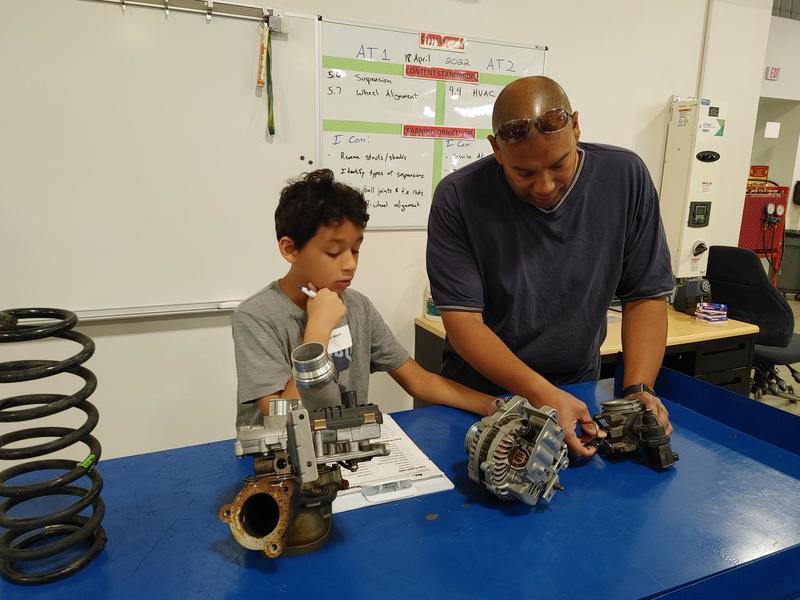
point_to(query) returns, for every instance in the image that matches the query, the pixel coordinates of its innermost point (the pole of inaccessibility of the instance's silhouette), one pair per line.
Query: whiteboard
(397, 116)
(135, 165)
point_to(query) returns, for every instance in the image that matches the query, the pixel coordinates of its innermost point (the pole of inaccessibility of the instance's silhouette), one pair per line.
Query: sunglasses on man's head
(517, 130)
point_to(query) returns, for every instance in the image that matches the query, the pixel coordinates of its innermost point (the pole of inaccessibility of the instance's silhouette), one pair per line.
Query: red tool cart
(763, 220)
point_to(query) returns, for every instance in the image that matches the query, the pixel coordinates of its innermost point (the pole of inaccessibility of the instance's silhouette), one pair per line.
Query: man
(527, 248)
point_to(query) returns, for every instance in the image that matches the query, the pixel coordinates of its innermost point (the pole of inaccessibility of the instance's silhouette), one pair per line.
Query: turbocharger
(517, 452)
(285, 506)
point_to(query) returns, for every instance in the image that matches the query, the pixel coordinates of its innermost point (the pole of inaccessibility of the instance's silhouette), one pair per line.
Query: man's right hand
(571, 413)
(480, 347)
(325, 311)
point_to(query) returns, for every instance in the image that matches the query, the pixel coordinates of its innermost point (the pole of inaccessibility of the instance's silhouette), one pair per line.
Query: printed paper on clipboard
(405, 473)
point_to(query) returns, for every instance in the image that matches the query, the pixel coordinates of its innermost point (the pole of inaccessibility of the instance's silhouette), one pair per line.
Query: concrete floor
(787, 376)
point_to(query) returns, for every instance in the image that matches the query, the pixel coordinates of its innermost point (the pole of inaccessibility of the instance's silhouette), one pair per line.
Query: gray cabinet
(789, 277)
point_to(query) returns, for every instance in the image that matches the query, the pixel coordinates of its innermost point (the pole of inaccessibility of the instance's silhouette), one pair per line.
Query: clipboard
(405, 473)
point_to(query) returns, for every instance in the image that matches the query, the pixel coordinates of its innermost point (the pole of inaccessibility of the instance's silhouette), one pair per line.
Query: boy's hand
(325, 311)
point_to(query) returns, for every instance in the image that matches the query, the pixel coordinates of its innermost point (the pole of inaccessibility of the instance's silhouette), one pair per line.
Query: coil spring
(65, 524)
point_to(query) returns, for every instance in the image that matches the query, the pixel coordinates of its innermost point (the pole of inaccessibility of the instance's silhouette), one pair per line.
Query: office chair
(738, 279)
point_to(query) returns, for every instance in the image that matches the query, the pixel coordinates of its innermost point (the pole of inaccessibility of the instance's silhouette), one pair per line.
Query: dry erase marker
(308, 292)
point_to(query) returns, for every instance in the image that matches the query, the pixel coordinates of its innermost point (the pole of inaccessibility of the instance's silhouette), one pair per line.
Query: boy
(320, 226)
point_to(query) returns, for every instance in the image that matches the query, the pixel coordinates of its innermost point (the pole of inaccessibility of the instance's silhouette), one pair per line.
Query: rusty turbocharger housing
(286, 505)
(517, 452)
(277, 513)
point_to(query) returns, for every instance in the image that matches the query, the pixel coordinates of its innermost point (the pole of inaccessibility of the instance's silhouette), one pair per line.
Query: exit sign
(772, 73)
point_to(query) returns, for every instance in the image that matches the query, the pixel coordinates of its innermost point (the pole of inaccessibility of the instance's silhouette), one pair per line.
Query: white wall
(779, 153)
(783, 51)
(171, 382)
(732, 71)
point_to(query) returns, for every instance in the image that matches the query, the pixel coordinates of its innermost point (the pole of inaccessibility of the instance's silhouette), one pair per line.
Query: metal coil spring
(24, 540)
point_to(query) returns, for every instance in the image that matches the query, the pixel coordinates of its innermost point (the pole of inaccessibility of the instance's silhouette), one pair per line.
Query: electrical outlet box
(690, 184)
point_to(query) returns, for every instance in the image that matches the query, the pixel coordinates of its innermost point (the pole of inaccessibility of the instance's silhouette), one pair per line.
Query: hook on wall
(122, 5)
(209, 10)
(166, 8)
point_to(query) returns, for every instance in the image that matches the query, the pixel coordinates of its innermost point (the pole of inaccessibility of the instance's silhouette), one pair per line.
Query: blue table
(724, 522)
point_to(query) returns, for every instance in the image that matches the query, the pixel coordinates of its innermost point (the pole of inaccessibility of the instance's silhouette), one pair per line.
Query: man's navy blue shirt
(544, 281)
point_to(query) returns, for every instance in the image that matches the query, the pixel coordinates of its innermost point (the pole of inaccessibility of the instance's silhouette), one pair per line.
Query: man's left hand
(658, 408)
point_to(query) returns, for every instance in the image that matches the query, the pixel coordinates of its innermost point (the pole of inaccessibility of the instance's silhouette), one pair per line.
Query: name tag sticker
(340, 339)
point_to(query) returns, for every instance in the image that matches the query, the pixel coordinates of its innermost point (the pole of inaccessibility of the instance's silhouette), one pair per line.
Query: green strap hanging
(270, 111)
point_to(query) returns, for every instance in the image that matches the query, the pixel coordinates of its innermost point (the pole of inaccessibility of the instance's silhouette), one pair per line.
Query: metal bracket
(208, 8)
(301, 444)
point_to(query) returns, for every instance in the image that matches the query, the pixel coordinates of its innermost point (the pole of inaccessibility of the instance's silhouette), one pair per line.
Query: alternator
(517, 452)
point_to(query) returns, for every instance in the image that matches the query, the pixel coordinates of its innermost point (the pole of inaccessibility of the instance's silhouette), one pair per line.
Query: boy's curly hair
(316, 200)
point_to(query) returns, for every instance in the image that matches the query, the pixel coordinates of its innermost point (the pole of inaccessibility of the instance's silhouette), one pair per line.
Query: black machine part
(689, 294)
(699, 214)
(344, 416)
(630, 427)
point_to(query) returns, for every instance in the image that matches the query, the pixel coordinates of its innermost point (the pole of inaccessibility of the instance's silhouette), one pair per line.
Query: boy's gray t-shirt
(268, 326)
